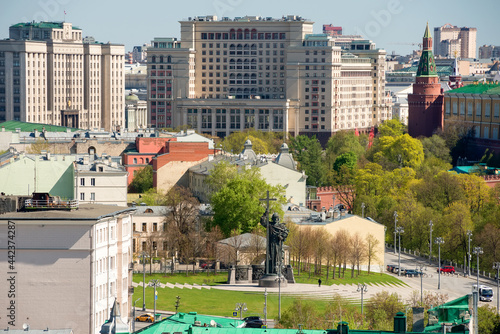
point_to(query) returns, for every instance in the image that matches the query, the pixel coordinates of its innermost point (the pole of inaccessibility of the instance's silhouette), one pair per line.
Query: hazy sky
(392, 24)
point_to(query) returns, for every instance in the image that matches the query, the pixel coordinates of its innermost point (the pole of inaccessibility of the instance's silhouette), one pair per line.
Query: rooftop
(87, 212)
(28, 127)
(490, 88)
(49, 25)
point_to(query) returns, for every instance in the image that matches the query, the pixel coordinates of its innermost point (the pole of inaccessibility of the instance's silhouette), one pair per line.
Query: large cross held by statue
(266, 216)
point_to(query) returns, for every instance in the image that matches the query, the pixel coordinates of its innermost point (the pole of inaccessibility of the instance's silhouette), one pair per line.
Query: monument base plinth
(272, 281)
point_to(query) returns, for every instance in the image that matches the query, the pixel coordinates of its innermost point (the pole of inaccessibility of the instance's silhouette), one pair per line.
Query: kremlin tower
(425, 113)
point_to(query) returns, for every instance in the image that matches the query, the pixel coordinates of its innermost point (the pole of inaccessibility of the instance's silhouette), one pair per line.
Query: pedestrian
(319, 282)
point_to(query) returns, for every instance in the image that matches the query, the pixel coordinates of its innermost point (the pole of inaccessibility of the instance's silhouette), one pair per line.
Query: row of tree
(313, 248)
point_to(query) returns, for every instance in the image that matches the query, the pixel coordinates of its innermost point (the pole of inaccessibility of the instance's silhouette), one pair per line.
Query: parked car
(253, 322)
(412, 272)
(146, 317)
(447, 269)
(390, 267)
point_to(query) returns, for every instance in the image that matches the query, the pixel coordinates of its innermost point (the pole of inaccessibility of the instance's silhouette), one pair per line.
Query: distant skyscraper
(425, 113)
(227, 75)
(451, 41)
(48, 74)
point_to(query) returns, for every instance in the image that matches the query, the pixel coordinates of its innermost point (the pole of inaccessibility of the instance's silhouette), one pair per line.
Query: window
(496, 112)
(82, 181)
(462, 108)
(165, 246)
(144, 227)
(155, 227)
(144, 246)
(133, 227)
(92, 196)
(82, 196)
(92, 181)
(154, 245)
(478, 109)
(469, 109)
(487, 111)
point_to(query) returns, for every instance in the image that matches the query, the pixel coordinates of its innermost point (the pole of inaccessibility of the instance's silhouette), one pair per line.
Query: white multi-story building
(270, 74)
(49, 75)
(68, 267)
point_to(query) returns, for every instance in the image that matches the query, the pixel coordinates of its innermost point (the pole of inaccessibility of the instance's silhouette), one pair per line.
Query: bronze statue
(277, 233)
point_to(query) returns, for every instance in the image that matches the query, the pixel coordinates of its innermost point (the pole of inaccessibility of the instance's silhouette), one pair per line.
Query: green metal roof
(28, 127)
(427, 34)
(49, 25)
(478, 88)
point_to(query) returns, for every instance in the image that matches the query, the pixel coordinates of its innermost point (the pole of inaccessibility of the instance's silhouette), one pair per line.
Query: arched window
(135, 161)
(153, 59)
(169, 59)
(161, 59)
(247, 34)
(232, 34)
(239, 34)
(254, 33)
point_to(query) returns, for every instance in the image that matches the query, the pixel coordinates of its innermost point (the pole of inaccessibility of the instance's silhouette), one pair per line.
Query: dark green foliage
(142, 181)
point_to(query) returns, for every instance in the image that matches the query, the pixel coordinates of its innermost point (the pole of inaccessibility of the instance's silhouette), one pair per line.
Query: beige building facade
(455, 42)
(69, 267)
(227, 75)
(48, 75)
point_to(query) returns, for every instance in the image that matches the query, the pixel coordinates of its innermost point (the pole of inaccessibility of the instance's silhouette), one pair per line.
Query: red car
(447, 269)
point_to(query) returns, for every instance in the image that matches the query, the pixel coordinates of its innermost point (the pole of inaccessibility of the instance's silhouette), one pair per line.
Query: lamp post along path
(395, 223)
(469, 235)
(496, 266)
(430, 242)
(439, 241)
(399, 230)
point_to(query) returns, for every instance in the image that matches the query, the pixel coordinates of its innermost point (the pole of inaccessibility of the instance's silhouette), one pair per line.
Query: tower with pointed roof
(425, 112)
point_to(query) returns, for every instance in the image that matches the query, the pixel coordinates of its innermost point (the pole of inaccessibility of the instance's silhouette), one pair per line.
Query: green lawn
(222, 303)
(214, 301)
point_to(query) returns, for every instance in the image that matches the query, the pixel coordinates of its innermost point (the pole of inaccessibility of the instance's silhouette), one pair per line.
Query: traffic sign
(235, 314)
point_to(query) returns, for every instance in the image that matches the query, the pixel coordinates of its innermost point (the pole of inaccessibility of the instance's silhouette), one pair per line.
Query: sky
(393, 25)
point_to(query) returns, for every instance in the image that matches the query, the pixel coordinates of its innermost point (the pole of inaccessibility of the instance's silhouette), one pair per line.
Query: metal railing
(51, 204)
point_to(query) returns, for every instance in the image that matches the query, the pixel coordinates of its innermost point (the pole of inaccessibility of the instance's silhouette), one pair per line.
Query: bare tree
(343, 240)
(371, 249)
(319, 251)
(230, 250)
(182, 222)
(213, 236)
(257, 246)
(358, 251)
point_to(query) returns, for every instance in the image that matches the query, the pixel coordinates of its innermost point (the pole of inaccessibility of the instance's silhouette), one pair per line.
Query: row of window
(243, 46)
(242, 34)
(487, 109)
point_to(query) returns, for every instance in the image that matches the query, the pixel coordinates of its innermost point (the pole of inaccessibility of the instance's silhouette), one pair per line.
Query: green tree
(236, 204)
(488, 320)
(382, 309)
(142, 181)
(348, 159)
(309, 154)
(403, 151)
(343, 142)
(435, 146)
(262, 141)
(392, 128)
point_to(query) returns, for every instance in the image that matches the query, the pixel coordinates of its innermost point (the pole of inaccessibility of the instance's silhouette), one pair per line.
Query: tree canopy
(142, 181)
(236, 203)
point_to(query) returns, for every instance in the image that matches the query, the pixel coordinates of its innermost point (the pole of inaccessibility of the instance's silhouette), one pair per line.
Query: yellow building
(354, 225)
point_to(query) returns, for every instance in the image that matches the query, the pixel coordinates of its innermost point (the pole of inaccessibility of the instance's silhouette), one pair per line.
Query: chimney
(3, 128)
(86, 159)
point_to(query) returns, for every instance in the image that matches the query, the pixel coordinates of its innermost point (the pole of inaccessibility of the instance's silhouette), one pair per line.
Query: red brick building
(425, 105)
(158, 152)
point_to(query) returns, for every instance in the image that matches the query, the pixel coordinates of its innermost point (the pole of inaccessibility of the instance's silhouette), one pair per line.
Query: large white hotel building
(49, 75)
(228, 75)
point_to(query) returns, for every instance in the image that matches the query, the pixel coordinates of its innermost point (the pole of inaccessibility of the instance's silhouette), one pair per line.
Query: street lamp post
(399, 230)
(241, 307)
(144, 255)
(496, 265)
(421, 267)
(362, 287)
(133, 320)
(395, 223)
(154, 283)
(265, 306)
(363, 206)
(439, 241)
(430, 242)
(469, 235)
(478, 251)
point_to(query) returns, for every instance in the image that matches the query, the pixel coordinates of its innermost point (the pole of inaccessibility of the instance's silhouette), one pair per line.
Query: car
(447, 269)
(253, 322)
(146, 317)
(390, 267)
(412, 272)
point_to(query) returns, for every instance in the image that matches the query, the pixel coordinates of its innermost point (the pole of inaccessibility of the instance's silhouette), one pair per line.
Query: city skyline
(394, 25)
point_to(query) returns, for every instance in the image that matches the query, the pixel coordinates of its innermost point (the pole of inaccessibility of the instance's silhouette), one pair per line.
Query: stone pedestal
(231, 275)
(271, 281)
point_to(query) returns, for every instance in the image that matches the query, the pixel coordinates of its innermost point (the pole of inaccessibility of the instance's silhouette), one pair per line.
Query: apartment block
(49, 75)
(62, 256)
(455, 42)
(227, 75)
